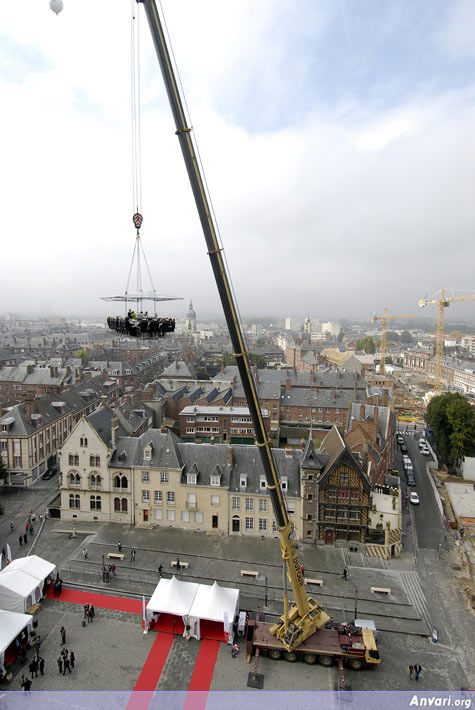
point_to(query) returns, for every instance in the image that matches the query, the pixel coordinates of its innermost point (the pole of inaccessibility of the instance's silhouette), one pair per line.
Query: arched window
(74, 500)
(74, 478)
(95, 503)
(83, 442)
(125, 482)
(96, 480)
(117, 505)
(124, 505)
(73, 459)
(94, 461)
(116, 481)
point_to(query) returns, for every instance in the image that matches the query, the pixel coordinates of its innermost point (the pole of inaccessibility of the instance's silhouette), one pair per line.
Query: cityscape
(198, 501)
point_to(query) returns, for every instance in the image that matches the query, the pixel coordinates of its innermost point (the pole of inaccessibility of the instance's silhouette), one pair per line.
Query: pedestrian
(345, 573)
(410, 670)
(91, 613)
(84, 553)
(4, 552)
(20, 540)
(417, 671)
(119, 546)
(31, 531)
(302, 569)
(72, 659)
(113, 569)
(132, 554)
(38, 643)
(86, 611)
(64, 653)
(62, 631)
(160, 570)
(33, 668)
(42, 666)
(25, 538)
(178, 564)
(66, 665)
(27, 526)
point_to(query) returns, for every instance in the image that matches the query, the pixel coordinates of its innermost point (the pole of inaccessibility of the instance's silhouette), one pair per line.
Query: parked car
(411, 481)
(425, 452)
(414, 498)
(404, 448)
(49, 473)
(400, 440)
(422, 442)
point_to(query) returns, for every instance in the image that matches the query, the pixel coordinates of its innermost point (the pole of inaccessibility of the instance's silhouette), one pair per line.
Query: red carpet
(204, 667)
(153, 666)
(174, 625)
(101, 601)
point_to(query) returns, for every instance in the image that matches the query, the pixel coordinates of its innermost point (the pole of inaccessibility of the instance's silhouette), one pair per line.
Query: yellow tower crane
(442, 303)
(384, 319)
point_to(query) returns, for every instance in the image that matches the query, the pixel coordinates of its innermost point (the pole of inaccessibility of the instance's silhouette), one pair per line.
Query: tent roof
(172, 596)
(211, 602)
(18, 581)
(11, 624)
(35, 566)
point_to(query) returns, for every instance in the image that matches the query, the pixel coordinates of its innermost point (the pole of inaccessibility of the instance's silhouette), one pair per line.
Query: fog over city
(337, 140)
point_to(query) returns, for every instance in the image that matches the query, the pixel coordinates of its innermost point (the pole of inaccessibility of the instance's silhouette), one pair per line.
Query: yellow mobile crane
(442, 303)
(384, 319)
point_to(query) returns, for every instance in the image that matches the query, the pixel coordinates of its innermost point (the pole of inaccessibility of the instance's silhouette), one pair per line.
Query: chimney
(333, 395)
(28, 410)
(355, 392)
(114, 430)
(288, 384)
(230, 455)
(164, 429)
(362, 410)
(147, 394)
(103, 400)
(51, 370)
(375, 416)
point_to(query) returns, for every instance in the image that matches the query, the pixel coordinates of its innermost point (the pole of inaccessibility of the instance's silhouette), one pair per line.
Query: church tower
(190, 320)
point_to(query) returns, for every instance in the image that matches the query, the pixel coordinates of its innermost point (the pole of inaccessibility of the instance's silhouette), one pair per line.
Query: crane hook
(56, 6)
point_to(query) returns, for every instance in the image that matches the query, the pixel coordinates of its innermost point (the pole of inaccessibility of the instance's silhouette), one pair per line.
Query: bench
(318, 582)
(381, 590)
(183, 565)
(33, 609)
(249, 573)
(115, 555)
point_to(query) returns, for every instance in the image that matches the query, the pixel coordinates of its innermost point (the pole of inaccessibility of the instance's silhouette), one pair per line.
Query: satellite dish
(56, 6)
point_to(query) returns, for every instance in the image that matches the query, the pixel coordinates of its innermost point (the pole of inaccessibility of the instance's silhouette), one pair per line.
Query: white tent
(214, 603)
(11, 625)
(19, 590)
(35, 566)
(172, 596)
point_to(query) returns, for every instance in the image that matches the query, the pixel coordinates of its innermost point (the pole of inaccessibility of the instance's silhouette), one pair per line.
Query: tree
(452, 419)
(201, 373)
(367, 344)
(254, 359)
(3, 470)
(80, 354)
(406, 337)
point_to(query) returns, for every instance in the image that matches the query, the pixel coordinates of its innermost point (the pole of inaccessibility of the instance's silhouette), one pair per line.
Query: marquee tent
(172, 596)
(214, 603)
(19, 590)
(35, 566)
(11, 625)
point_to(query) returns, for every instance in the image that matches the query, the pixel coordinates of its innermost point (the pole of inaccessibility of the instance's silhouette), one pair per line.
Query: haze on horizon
(337, 140)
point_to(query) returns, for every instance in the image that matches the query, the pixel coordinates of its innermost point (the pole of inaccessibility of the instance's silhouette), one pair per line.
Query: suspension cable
(135, 109)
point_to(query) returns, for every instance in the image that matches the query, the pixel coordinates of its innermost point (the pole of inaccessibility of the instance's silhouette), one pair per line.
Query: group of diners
(141, 325)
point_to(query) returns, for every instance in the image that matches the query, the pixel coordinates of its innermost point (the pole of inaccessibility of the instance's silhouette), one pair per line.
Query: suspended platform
(144, 327)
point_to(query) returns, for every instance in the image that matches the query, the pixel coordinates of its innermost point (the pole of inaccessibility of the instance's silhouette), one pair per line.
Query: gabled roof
(338, 453)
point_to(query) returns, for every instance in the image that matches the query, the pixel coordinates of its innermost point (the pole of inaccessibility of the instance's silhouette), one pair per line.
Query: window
(309, 516)
(94, 461)
(158, 514)
(309, 496)
(342, 513)
(236, 503)
(249, 504)
(96, 481)
(291, 506)
(344, 478)
(262, 524)
(145, 496)
(262, 505)
(330, 512)
(191, 479)
(343, 493)
(147, 453)
(124, 505)
(243, 481)
(83, 442)
(145, 476)
(73, 459)
(310, 477)
(283, 482)
(74, 500)
(262, 482)
(215, 480)
(16, 461)
(3, 445)
(116, 505)
(74, 479)
(185, 516)
(170, 498)
(355, 514)
(355, 494)
(164, 477)
(249, 523)
(170, 515)
(331, 492)
(198, 517)
(157, 497)
(95, 503)
(214, 500)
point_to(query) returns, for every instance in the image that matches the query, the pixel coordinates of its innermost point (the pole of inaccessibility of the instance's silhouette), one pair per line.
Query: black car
(411, 481)
(49, 473)
(404, 449)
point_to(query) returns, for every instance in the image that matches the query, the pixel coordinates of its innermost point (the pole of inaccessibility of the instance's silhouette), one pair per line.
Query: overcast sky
(337, 137)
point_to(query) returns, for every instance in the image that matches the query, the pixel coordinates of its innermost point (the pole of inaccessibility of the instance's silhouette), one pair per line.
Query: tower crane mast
(442, 303)
(384, 319)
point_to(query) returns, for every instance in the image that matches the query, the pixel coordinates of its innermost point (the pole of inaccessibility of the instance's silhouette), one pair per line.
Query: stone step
(416, 596)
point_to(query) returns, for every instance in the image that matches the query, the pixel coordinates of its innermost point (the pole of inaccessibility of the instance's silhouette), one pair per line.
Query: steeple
(190, 320)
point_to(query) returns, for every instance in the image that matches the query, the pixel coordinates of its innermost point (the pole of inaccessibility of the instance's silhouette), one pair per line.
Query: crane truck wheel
(290, 656)
(310, 658)
(355, 663)
(275, 654)
(325, 661)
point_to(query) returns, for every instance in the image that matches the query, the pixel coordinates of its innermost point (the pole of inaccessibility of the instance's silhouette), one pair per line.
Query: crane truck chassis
(352, 645)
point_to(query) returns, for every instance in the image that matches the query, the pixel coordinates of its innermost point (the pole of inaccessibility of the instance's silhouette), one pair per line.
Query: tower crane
(442, 303)
(384, 319)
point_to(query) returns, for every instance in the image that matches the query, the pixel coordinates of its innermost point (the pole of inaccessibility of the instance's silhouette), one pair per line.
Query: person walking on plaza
(345, 573)
(417, 671)
(132, 554)
(72, 659)
(91, 613)
(33, 668)
(66, 665)
(119, 546)
(410, 670)
(84, 553)
(42, 666)
(86, 611)
(160, 570)
(20, 540)
(25, 538)
(60, 664)
(62, 631)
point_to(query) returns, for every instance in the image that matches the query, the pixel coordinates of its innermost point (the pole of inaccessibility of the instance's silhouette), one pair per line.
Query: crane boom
(307, 615)
(384, 318)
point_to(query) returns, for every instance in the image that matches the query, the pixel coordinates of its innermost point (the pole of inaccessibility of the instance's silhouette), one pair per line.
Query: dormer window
(243, 481)
(215, 480)
(191, 479)
(262, 482)
(284, 483)
(147, 452)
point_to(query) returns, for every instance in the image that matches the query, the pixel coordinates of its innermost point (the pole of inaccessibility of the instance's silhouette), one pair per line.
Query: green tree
(254, 359)
(367, 344)
(406, 337)
(80, 354)
(201, 373)
(452, 419)
(228, 359)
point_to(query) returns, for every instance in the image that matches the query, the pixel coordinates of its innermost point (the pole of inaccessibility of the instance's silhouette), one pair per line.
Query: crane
(306, 616)
(384, 318)
(442, 303)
